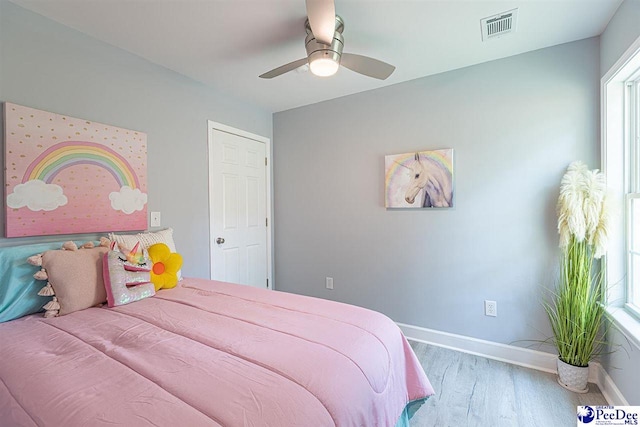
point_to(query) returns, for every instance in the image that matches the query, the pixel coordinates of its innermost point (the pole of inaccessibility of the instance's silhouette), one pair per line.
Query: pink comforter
(205, 354)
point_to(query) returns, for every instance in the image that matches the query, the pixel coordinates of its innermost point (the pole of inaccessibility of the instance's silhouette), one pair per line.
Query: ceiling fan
(324, 43)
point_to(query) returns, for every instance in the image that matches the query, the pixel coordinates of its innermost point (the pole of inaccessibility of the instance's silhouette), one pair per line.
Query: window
(621, 165)
(632, 205)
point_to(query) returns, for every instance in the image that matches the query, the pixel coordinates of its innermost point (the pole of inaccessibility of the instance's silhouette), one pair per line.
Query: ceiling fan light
(324, 67)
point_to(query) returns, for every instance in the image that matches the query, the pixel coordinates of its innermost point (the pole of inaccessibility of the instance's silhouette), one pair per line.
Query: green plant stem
(575, 310)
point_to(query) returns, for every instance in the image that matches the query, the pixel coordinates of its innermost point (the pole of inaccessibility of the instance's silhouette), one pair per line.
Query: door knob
(219, 240)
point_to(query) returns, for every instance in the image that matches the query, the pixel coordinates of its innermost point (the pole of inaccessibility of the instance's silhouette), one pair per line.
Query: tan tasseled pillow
(76, 277)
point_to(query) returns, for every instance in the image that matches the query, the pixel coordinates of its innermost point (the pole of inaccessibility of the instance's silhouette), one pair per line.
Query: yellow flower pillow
(165, 266)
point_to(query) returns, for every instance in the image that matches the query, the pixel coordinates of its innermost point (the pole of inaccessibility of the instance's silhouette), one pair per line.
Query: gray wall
(515, 124)
(622, 31)
(48, 66)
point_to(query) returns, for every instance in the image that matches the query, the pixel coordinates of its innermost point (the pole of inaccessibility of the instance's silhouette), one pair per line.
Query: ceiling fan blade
(284, 69)
(322, 19)
(367, 66)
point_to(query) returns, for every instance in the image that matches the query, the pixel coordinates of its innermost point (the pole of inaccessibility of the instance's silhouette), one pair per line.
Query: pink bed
(209, 353)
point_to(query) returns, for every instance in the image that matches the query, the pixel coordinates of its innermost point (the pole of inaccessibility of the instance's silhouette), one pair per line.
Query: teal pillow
(18, 289)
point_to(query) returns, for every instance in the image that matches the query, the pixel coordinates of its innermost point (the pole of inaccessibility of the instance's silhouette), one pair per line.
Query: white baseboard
(528, 358)
(608, 388)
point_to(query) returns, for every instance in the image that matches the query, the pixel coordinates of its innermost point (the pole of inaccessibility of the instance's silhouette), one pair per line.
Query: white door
(238, 202)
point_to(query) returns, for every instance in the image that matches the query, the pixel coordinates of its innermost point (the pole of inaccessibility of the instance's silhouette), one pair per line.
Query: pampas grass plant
(575, 310)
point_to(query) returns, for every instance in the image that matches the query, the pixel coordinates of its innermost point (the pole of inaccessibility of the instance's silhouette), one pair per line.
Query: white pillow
(147, 239)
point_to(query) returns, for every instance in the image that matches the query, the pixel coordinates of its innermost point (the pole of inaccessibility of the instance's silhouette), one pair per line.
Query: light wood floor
(475, 391)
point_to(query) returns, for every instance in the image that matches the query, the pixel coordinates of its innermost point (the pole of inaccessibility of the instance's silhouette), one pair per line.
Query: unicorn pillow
(127, 276)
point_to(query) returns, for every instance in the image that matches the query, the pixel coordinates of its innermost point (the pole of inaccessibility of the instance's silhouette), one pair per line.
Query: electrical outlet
(329, 282)
(155, 219)
(490, 308)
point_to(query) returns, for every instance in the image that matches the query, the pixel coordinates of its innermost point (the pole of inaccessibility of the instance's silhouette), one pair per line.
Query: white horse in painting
(434, 178)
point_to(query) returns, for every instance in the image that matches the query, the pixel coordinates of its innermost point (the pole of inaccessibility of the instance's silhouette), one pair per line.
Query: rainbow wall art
(66, 175)
(421, 179)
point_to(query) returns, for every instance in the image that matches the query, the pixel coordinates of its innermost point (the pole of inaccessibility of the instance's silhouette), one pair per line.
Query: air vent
(499, 25)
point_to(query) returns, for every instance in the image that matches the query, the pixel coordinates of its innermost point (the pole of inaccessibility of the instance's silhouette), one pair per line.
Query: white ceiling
(226, 44)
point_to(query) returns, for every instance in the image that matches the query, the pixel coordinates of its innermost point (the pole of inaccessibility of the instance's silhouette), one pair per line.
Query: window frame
(632, 190)
(615, 151)
(632, 288)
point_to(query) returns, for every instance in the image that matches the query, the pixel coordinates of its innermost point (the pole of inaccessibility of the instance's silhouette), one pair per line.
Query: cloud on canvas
(37, 195)
(128, 200)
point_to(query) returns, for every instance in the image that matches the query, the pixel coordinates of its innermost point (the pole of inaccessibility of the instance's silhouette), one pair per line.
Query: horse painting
(434, 178)
(430, 173)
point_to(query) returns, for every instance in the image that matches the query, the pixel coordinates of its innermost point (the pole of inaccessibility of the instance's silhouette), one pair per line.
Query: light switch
(155, 219)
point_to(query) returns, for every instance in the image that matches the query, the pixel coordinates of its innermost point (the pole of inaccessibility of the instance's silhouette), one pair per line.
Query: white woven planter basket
(573, 378)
